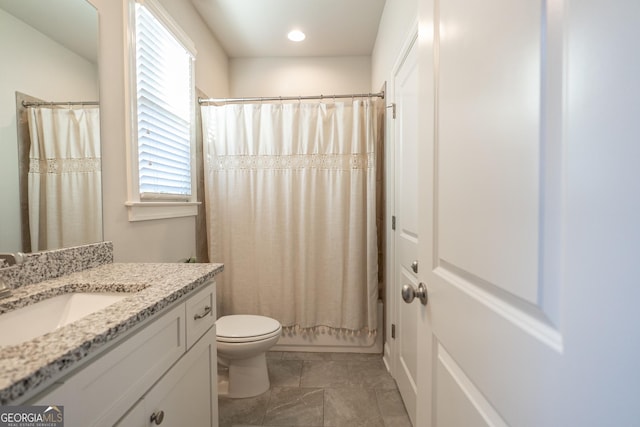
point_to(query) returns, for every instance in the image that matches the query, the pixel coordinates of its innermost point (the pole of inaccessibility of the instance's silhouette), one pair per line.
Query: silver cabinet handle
(409, 292)
(206, 311)
(157, 417)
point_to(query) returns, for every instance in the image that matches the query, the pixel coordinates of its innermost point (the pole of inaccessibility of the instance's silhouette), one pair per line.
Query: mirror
(49, 52)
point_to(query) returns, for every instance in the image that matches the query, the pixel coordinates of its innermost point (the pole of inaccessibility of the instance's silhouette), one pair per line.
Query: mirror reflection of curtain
(291, 210)
(64, 177)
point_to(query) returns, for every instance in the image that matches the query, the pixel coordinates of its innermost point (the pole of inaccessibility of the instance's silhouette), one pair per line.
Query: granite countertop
(26, 366)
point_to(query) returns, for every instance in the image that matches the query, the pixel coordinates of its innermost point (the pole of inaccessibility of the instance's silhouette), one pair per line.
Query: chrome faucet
(12, 259)
(8, 260)
(5, 290)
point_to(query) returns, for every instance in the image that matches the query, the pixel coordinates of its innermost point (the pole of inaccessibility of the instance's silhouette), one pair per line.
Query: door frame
(392, 298)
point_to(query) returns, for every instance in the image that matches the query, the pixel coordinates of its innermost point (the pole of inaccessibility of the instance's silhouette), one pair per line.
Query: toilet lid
(245, 326)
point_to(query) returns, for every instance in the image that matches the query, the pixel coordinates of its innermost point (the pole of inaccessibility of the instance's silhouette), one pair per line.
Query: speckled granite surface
(39, 266)
(31, 364)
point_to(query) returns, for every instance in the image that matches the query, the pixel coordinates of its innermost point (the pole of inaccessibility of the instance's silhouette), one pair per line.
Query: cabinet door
(102, 391)
(184, 396)
(136, 417)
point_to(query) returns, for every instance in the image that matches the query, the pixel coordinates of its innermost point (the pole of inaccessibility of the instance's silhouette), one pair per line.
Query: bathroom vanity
(149, 358)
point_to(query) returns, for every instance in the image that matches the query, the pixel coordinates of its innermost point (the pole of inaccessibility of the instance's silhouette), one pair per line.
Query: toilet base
(248, 377)
(223, 380)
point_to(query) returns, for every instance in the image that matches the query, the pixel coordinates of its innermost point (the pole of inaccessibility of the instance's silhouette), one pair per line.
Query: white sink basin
(26, 323)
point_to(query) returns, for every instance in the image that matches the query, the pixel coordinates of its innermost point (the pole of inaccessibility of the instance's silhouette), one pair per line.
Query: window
(163, 112)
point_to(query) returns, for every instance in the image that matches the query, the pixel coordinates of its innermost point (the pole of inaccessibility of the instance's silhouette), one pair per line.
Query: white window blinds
(164, 86)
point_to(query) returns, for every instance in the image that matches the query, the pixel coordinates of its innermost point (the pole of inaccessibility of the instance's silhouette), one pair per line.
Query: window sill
(144, 211)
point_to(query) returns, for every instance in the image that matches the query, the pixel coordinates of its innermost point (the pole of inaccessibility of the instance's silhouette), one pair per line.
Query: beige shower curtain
(291, 211)
(64, 180)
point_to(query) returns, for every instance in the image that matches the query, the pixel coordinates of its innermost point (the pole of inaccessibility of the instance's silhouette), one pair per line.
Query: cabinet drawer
(201, 313)
(104, 390)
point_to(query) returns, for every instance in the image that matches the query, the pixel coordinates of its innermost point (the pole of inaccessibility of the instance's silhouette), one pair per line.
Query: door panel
(487, 192)
(527, 216)
(489, 144)
(407, 330)
(459, 402)
(406, 236)
(482, 233)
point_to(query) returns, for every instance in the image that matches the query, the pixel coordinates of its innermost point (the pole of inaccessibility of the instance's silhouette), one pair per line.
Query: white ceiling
(258, 28)
(72, 23)
(245, 28)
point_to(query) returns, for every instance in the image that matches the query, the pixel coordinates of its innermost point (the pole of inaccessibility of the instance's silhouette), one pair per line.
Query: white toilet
(242, 341)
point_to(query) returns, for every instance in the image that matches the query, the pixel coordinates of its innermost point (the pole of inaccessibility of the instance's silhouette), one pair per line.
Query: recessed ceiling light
(296, 36)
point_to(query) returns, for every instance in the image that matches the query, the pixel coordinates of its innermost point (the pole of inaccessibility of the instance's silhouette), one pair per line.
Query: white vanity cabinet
(183, 396)
(163, 373)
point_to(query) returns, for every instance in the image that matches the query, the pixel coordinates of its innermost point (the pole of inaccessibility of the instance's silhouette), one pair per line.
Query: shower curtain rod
(291, 98)
(41, 103)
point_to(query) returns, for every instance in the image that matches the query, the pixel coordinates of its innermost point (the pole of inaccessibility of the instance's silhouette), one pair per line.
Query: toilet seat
(239, 328)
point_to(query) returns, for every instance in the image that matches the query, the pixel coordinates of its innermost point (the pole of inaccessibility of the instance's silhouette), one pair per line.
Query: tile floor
(321, 390)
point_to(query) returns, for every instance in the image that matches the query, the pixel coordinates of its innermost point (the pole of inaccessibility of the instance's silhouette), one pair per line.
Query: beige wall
(212, 62)
(251, 77)
(156, 240)
(173, 239)
(398, 20)
(35, 65)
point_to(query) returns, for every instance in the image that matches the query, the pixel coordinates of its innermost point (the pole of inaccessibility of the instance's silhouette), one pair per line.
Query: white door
(529, 237)
(405, 87)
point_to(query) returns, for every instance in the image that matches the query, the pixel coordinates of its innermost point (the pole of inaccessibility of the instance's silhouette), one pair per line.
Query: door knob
(157, 417)
(409, 292)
